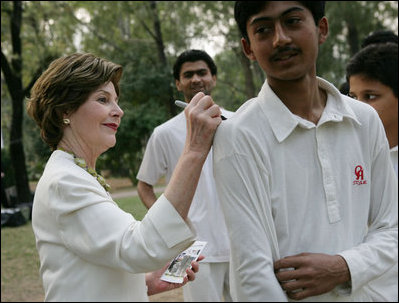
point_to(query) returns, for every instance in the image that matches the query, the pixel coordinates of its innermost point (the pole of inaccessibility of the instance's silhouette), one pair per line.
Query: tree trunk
(353, 38)
(162, 57)
(13, 78)
(249, 79)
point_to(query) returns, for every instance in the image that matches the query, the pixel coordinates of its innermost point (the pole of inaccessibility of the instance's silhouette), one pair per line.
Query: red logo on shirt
(359, 173)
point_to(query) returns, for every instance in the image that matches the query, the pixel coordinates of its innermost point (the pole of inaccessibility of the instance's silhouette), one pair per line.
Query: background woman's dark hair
(64, 87)
(243, 10)
(376, 62)
(193, 55)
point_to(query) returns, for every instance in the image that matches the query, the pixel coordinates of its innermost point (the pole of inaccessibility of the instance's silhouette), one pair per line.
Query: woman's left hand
(155, 285)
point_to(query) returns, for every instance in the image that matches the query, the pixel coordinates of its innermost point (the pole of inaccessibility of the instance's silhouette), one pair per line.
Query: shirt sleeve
(154, 163)
(379, 250)
(245, 199)
(97, 230)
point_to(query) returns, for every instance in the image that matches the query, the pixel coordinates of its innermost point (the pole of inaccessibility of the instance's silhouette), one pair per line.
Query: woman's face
(96, 121)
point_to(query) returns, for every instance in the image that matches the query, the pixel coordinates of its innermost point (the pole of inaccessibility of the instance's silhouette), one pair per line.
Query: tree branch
(8, 74)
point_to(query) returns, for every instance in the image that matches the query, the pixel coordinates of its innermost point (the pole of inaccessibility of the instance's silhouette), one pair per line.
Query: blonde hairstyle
(64, 87)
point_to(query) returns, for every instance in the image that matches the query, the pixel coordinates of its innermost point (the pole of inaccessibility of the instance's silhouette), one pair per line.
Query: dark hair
(378, 62)
(64, 87)
(380, 36)
(344, 88)
(243, 10)
(193, 55)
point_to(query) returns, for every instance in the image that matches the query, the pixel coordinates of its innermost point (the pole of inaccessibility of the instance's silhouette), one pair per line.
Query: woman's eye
(371, 97)
(102, 100)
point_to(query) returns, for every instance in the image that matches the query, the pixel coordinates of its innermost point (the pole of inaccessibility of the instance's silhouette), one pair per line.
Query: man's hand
(311, 274)
(155, 285)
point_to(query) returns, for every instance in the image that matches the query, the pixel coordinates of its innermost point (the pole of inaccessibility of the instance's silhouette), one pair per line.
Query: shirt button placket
(328, 178)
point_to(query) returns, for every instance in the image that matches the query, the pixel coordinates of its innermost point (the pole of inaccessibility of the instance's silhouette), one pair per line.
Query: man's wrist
(343, 270)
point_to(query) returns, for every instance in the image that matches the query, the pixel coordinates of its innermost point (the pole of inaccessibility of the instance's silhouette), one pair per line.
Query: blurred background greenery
(144, 37)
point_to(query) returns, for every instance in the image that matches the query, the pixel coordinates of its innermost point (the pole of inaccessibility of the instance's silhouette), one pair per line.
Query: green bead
(82, 163)
(92, 172)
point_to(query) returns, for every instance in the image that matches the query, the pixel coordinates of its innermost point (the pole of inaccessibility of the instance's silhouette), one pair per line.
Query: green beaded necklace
(82, 163)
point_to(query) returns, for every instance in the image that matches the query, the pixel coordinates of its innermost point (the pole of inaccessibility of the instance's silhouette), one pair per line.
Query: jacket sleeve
(95, 228)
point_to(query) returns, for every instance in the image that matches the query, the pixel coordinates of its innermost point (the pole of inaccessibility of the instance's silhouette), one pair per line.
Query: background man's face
(195, 77)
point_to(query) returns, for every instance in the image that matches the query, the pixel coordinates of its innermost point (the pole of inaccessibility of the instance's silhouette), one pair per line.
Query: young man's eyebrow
(266, 18)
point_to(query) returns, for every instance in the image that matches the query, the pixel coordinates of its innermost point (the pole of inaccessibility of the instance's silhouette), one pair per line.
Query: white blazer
(89, 248)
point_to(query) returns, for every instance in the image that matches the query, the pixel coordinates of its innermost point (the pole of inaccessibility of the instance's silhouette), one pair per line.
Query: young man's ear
(214, 78)
(177, 82)
(323, 30)
(246, 47)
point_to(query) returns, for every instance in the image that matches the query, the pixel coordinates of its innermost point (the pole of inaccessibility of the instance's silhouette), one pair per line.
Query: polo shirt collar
(283, 121)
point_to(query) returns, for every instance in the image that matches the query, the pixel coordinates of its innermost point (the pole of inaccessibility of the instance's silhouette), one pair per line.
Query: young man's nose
(280, 37)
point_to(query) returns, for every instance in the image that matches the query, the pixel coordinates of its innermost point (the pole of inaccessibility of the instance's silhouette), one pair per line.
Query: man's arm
(146, 193)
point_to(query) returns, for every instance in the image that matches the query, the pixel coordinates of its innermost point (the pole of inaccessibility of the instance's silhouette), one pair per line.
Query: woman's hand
(155, 285)
(203, 118)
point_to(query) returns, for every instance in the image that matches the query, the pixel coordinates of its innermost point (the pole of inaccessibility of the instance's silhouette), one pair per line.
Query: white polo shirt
(394, 158)
(289, 186)
(160, 158)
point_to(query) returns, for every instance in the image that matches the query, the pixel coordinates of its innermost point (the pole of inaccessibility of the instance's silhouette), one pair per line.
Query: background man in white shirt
(194, 71)
(303, 172)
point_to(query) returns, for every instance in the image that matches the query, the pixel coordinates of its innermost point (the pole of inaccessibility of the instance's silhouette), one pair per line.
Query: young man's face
(284, 39)
(195, 77)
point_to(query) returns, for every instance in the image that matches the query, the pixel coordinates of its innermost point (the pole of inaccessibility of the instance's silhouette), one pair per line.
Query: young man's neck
(302, 97)
(392, 135)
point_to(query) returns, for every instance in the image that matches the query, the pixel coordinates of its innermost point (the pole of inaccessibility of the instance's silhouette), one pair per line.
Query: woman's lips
(112, 125)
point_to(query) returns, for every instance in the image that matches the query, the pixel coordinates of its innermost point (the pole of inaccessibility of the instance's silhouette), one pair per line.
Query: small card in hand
(176, 271)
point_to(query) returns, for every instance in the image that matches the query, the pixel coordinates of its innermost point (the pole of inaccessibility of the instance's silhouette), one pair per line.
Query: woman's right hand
(203, 118)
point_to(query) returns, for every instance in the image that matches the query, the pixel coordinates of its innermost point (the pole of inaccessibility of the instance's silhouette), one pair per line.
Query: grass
(20, 279)
(133, 206)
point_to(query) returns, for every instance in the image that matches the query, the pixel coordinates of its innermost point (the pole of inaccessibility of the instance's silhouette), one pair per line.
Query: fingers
(190, 275)
(198, 96)
(288, 274)
(194, 268)
(191, 271)
(202, 103)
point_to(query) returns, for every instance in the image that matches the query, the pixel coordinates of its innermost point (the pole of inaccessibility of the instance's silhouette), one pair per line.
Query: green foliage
(124, 32)
(7, 168)
(37, 151)
(349, 23)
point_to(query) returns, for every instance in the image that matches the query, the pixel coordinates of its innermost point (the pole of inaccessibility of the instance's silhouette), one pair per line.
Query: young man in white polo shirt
(194, 71)
(303, 173)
